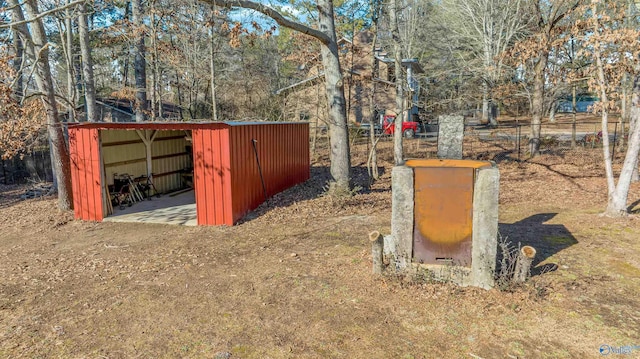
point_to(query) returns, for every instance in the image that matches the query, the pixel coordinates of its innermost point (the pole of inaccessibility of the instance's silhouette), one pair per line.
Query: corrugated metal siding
(283, 152)
(212, 177)
(226, 176)
(86, 174)
(122, 152)
(169, 159)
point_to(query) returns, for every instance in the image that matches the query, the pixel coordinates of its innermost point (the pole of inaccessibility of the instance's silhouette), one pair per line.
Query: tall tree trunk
(635, 175)
(552, 112)
(537, 103)
(624, 109)
(633, 123)
(373, 156)
(617, 192)
(17, 66)
(68, 41)
(608, 166)
(179, 94)
(486, 112)
(154, 69)
(326, 34)
(617, 204)
(212, 51)
(336, 104)
(398, 155)
(157, 72)
(38, 50)
(87, 64)
(140, 62)
(573, 116)
(126, 50)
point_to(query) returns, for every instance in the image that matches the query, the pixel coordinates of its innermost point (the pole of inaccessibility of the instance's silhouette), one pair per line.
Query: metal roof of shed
(170, 125)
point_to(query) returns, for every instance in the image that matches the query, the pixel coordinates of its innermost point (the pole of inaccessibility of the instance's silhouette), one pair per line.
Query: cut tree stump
(523, 264)
(377, 243)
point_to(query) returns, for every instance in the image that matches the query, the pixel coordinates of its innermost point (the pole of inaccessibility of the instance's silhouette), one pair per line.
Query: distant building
(306, 99)
(112, 109)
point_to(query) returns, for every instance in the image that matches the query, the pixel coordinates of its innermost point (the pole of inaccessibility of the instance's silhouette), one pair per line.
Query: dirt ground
(293, 280)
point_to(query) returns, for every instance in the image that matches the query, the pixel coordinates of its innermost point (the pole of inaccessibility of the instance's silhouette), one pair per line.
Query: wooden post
(523, 264)
(147, 138)
(109, 205)
(377, 243)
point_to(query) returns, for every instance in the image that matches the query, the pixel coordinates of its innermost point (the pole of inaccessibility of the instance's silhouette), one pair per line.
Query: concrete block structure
(445, 220)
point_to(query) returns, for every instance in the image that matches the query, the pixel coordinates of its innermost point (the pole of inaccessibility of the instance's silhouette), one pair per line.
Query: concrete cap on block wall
(448, 163)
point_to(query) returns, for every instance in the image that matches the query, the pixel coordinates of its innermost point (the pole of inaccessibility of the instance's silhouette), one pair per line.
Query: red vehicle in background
(409, 128)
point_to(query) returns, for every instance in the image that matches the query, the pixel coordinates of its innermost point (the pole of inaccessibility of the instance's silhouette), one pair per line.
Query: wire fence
(511, 142)
(570, 142)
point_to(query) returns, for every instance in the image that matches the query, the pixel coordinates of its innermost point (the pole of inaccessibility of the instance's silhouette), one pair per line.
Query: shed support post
(148, 138)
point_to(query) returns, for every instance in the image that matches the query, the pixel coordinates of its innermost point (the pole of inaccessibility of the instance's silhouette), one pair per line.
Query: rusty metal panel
(443, 210)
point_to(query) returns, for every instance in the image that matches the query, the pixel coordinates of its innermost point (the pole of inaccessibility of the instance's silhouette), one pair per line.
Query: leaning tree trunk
(87, 65)
(617, 193)
(617, 204)
(38, 50)
(139, 63)
(336, 104)
(537, 103)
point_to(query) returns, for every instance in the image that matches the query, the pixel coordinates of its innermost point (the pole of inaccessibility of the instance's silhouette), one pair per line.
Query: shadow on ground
(313, 188)
(548, 239)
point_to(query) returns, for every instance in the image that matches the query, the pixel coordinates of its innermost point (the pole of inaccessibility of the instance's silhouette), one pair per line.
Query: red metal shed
(235, 164)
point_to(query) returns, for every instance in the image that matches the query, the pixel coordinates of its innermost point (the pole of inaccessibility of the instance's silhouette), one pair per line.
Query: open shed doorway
(149, 176)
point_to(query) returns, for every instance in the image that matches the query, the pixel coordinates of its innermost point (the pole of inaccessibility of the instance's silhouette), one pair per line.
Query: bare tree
(67, 43)
(212, 52)
(35, 40)
(485, 28)
(393, 11)
(87, 64)
(334, 86)
(139, 63)
(547, 16)
(608, 41)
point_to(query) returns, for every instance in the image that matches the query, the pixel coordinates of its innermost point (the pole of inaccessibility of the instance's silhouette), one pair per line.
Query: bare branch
(275, 15)
(41, 15)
